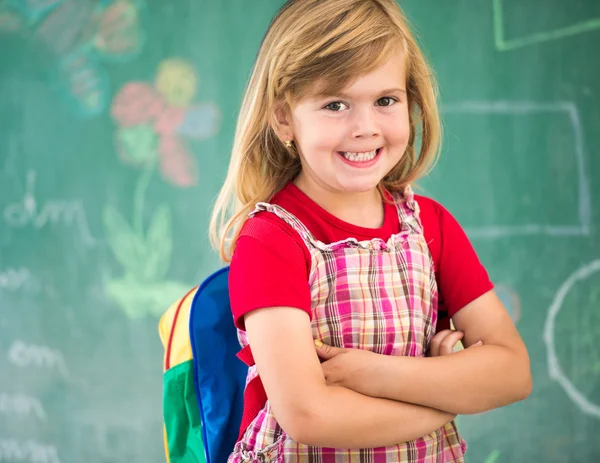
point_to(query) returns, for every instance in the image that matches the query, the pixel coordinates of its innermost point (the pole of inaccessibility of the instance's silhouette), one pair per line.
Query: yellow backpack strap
(173, 329)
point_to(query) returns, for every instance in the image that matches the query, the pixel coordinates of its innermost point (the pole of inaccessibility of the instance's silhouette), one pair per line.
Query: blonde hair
(331, 42)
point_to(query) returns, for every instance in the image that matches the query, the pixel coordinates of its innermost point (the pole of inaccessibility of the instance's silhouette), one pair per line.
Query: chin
(359, 187)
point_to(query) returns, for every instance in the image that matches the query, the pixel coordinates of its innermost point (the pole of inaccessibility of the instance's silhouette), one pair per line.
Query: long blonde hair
(310, 41)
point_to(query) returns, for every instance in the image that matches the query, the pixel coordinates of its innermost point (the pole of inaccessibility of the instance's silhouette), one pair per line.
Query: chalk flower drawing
(154, 119)
(78, 36)
(152, 122)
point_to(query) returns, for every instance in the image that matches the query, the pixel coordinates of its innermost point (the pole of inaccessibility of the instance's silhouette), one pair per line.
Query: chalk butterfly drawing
(153, 122)
(79, 36)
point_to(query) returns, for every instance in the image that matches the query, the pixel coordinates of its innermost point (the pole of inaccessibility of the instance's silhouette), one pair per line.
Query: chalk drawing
(493, 457)
(83, 83)
(136, 103)
(525, 108)
(28, 451)
(65, 28)
(52, 212)
(153, 121)
(554, 369)
(119, 33)
(21, 406)
(146, 258)
(503, 44)
(80, 36)
(29, 355)
(32, 10)
(176, 80)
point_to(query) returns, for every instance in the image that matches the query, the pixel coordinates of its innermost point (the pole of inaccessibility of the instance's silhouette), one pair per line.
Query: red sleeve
(269, 268)
(460, 275)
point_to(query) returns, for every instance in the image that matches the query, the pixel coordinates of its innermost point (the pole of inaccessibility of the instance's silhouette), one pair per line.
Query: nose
(364, 124)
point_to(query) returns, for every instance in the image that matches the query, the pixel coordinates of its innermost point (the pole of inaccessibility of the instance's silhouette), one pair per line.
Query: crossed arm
(494, 374)
(358, 399)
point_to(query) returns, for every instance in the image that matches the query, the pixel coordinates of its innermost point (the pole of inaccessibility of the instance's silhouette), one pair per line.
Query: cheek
(320, 136)
(399, 131)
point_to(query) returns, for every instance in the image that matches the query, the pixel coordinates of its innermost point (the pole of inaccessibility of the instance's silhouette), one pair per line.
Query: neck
(363, 208)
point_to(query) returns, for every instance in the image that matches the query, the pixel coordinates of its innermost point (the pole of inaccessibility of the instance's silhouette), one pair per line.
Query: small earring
(288, 144)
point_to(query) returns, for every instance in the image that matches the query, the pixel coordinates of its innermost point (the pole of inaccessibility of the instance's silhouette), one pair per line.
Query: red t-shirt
(271, 263)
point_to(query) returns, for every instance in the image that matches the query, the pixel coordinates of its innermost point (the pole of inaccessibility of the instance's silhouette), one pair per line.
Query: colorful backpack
(204, 380)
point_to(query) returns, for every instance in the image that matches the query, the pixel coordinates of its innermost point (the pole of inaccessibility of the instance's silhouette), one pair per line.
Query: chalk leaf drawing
(152, 123)
(493, 457)
(145, 259)
(137, 145)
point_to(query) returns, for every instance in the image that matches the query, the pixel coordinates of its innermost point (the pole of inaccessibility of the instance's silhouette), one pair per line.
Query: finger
(434, 344)
(447, 345)
(477, 344)
(326, 352)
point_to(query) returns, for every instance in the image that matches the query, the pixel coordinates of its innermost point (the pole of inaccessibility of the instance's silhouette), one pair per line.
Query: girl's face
(348, 142)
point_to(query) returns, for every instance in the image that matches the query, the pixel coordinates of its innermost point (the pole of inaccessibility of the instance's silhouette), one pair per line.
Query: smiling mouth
(360, 157)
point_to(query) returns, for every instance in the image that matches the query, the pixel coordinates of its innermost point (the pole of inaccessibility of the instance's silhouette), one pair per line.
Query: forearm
(466, 382)
(342, 418)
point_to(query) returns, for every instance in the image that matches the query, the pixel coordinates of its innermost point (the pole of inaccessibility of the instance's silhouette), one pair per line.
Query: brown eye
(386, 101)
(335, 106)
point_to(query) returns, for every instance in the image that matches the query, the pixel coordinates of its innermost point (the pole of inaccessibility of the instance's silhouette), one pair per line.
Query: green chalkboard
(116, 121)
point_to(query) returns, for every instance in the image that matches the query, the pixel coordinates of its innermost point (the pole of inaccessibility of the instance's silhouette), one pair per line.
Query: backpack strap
(255, 396)
(174, 327)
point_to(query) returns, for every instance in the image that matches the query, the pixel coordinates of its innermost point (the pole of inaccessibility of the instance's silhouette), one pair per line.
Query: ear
(281, 122)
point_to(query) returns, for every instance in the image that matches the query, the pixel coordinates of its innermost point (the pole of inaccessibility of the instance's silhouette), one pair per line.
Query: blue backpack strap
(220, 377)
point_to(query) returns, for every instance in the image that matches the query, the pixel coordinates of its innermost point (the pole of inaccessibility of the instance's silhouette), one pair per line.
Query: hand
(350, 368)
(443, 343)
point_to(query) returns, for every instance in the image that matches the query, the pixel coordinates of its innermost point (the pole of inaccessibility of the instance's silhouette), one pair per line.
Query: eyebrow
(345, 95)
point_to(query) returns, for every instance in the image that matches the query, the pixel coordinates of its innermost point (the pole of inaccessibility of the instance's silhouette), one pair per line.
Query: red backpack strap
(255, 396)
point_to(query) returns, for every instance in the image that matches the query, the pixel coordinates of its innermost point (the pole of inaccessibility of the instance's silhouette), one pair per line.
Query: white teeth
(360, 157)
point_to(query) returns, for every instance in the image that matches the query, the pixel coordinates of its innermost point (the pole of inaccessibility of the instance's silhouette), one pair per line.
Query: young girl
(338, 271)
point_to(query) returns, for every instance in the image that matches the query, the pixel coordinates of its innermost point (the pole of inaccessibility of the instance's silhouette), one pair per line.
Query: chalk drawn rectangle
(580, 18)
(514, 168)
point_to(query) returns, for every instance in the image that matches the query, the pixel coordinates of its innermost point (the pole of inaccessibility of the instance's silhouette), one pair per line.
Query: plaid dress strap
(374, 295)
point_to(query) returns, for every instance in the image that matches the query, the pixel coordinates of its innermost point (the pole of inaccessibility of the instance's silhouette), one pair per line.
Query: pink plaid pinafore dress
(373, 295)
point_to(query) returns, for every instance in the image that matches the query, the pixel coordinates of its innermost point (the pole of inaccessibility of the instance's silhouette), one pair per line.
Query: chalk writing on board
(528, 108)
(21, 406)
(30, 451)
(502, 44)
(27, 212)
(30, 355)
(555, 370)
